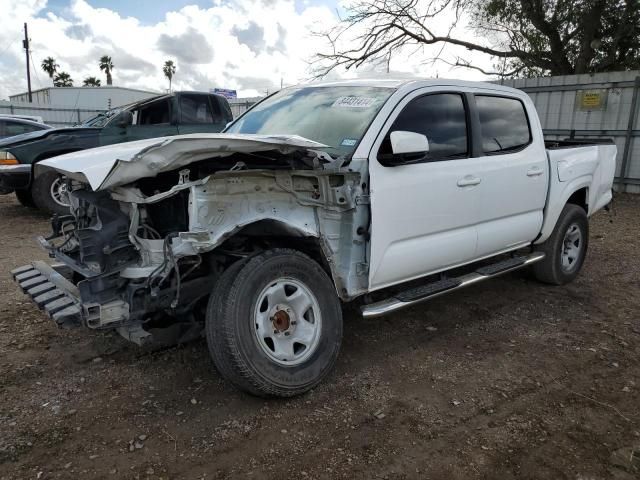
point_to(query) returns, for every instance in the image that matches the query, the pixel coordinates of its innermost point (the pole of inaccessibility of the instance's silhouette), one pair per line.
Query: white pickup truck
(383, 192)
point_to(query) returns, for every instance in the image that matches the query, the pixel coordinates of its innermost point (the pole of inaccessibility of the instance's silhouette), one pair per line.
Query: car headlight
(6, 158)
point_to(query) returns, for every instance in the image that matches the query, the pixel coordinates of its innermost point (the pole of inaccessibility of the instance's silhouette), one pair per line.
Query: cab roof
(412, 83)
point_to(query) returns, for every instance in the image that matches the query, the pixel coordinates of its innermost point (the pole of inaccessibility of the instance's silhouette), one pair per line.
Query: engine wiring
(148, 232)
(170, 259)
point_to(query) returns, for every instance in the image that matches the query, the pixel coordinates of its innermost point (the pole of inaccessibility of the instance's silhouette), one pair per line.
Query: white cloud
(249, 45)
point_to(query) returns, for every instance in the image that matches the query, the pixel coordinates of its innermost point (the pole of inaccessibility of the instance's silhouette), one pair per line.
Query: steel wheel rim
(571, 247)
(287, 321)
(59, 193)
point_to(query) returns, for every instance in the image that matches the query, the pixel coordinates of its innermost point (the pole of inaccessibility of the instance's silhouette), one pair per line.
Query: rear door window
(198, 109)
(504, 125)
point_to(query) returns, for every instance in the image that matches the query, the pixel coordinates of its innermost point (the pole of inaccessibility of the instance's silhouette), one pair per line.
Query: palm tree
(91, 82)
(50, 66)
(63, 79)
(107, 65)
(169, 71)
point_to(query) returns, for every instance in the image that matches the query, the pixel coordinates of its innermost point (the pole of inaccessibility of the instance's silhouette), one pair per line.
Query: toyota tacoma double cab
(159, 116)
(381, 194)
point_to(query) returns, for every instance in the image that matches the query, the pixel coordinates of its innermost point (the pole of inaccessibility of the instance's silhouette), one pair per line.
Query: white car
(31, 118)
(383, 192)
(12, 125)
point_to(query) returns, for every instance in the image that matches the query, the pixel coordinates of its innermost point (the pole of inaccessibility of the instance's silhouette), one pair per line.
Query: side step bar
(422, 293)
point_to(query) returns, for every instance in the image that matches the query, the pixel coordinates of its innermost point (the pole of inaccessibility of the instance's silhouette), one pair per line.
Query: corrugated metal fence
(602, 105)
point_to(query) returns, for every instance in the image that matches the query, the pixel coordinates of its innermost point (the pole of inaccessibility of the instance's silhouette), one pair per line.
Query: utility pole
(25, 44)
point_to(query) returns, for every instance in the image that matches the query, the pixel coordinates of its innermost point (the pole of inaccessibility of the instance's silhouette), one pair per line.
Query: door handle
(468, 181)
(534, 172)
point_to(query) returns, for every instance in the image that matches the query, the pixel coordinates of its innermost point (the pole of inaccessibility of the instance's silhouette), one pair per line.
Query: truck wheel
(274, 324)
(49, 193)
(25, 198)
(565, 249)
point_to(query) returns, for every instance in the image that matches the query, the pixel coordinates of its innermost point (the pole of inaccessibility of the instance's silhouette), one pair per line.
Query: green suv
(164, 115)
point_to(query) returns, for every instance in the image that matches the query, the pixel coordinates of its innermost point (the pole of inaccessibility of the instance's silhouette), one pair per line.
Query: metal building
(601, 105)
(93, 98)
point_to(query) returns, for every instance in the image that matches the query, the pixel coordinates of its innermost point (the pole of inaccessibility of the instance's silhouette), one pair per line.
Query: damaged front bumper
(51, 290)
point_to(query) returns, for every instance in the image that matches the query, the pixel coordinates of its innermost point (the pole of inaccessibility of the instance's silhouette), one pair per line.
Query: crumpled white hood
(119, 164)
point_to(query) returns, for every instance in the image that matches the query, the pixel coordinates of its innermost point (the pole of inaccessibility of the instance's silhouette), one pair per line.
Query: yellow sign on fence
(591, 99)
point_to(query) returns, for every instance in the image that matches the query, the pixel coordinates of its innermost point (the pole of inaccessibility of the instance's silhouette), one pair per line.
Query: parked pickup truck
(178, 113)
(386, 193)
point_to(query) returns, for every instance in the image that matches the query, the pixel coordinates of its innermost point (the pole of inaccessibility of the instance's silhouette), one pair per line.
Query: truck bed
(576, 142)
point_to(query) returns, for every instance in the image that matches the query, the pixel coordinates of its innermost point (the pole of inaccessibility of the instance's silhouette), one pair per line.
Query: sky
(252, 46)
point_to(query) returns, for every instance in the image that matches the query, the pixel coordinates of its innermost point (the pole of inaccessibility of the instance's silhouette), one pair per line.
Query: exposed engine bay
(144, 255)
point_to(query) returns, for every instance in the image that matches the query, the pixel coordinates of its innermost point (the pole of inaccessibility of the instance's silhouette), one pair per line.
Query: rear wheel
(49, 191)
(565, 249)
(274, 324)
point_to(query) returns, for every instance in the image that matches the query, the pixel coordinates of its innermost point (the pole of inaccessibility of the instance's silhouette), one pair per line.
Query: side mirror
(124, 119)
(403, 142)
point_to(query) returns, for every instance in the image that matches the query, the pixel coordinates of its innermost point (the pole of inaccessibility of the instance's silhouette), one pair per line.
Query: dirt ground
(508, 379)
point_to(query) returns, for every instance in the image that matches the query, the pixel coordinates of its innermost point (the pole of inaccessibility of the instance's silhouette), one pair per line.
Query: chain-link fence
(241, 105)
(56, 117)
(64, 117)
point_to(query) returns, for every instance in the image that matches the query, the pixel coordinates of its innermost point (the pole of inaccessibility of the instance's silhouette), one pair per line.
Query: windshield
(334, 116)
(101, 119)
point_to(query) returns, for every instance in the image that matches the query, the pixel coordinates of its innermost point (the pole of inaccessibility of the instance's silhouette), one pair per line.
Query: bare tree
(524, 37)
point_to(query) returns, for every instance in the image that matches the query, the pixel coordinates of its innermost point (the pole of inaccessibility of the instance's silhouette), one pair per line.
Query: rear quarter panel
(591, 167)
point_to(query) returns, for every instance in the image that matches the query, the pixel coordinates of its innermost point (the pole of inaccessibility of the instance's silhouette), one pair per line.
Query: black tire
(231, 325)
(25, 198)
(215, 309)
(551, 269)
(41, 193)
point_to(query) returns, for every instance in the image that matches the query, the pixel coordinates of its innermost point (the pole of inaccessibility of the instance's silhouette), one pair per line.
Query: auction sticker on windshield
(354, 102)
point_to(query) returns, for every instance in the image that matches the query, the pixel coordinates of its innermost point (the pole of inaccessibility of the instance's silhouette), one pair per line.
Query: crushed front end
(107, 276)
(141, 254)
